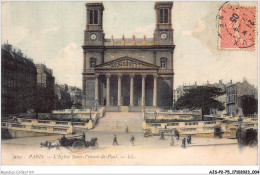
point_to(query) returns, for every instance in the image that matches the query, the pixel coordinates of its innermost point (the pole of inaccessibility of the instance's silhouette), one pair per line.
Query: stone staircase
(118, 121)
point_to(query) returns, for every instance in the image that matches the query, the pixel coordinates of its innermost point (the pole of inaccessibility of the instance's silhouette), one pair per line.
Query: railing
(60, 129)
(44, 122)
(62, 123)
(39, 128)
(18, 126)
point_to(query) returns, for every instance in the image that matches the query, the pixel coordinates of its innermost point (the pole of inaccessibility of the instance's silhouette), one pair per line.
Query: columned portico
(125, 82)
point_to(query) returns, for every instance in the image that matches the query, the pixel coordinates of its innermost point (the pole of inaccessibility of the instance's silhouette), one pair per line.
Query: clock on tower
(163, 33)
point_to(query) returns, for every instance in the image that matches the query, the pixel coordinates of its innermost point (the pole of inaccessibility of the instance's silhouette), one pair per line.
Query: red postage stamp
(236, 27)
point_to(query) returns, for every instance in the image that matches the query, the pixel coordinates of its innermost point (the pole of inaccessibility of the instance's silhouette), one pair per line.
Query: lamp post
(96, 101)
(155, 113)
(240, 120)
(72, 110)
(90, 115)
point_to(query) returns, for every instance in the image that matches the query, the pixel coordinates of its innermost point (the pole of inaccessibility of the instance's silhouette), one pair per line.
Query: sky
(52, 33)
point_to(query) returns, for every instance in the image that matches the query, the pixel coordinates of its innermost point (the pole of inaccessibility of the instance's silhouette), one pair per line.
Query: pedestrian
(176, 133)
(126, 130)
(172, 141)
(132, 140)
(165, 126)
(183, 143)
(83, 136)
(162, 135)
(115, 140)
(189, 139)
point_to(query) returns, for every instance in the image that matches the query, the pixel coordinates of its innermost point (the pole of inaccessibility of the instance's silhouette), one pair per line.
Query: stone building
(128, 71)
(45, 77)
(75, 95)
(18, 72)
(61, 91)
(234, 94)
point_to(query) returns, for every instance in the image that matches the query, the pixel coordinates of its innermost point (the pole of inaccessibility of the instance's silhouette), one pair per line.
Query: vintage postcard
(129, 83)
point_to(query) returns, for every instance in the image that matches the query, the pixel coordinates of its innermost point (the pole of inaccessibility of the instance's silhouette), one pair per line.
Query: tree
(39, 98)
(248, 105)
(201, 97)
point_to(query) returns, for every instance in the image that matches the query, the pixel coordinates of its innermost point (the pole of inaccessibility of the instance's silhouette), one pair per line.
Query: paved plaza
(145, 151)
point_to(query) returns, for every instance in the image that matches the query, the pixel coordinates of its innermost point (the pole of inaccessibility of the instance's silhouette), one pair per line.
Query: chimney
(20, 53)
(244, 79)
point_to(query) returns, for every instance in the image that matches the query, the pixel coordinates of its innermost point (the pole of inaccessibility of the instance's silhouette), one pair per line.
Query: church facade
(128, 72)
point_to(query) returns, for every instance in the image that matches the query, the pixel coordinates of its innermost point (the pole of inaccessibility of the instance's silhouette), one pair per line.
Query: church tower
(93, 51)
(94, 30)
(163, 34)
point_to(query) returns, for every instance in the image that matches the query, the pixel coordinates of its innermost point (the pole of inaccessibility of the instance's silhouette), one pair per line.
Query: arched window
(93, 62)
(163, 63)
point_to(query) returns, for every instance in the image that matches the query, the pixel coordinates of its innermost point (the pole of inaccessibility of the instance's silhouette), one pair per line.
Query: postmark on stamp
(236, 26)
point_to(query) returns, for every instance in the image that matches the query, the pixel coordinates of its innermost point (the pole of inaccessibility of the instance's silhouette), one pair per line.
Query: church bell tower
(94, 29)
(163, 34)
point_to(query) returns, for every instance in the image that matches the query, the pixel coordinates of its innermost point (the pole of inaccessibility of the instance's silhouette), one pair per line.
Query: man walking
(132, 140)
(189, 139)
(115, 140)
(183, 143)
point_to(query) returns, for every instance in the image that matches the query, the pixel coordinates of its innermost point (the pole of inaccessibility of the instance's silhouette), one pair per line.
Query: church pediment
(126, 63)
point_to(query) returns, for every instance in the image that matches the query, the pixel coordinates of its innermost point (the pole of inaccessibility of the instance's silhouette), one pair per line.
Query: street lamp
(72, 110)
(240, 120)
(155, 113)
(96, 101)
(90, 117)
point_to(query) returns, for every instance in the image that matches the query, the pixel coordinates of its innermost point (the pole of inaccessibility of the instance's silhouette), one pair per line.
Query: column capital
(155, 75)
(119, 75)
(108, 75)
(132, 75)
(143, 75)
(96, 75)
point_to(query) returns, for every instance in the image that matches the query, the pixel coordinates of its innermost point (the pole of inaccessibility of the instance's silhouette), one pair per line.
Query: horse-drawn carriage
(77, 143)
(74, 142)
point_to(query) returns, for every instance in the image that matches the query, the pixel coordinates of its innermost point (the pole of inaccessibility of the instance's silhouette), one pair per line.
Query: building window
(163, 63)
(164, 16)
(93, 62)
(93, 17)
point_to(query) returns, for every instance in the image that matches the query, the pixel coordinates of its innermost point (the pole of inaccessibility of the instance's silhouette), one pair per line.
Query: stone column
(119, 89)
(143, 90)
(155, 90)
(132, 90)
(108, 90)
(96, 89)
